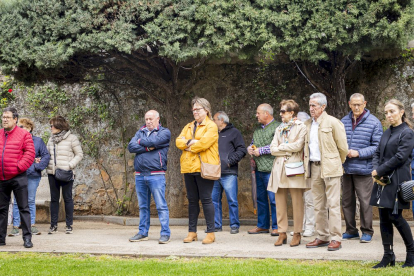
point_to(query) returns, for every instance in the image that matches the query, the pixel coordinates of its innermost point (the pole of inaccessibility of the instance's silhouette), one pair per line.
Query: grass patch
(85, 264)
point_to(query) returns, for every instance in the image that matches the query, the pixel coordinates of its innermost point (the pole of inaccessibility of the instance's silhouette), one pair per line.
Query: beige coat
(332, 145)
(293, 151)
(68, 153)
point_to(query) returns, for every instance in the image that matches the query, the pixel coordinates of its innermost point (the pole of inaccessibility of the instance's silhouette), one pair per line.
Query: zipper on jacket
(2, 157)
(159, 153)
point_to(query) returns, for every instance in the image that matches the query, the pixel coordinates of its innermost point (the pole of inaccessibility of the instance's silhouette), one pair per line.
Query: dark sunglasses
(282, 111)
(21, 126)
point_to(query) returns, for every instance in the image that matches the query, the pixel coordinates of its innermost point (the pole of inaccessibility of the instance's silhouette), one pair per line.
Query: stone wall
(236, 89)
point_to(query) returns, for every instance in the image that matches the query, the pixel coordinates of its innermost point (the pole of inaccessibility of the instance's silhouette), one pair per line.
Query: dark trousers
(198, 189)
(387, 219)
(361, 185)
(55, 186)
(18, 185)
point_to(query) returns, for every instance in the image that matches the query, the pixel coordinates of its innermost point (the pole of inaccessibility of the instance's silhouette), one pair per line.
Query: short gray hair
(303, 116)
(357, 95)
(267, 108)
(321, 98)
(221, 115)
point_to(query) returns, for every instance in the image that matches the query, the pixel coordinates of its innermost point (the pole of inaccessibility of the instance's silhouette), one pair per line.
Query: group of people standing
(23, 158)
(309, 157)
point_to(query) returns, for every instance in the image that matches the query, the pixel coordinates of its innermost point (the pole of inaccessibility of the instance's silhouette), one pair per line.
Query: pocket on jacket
(332, 163)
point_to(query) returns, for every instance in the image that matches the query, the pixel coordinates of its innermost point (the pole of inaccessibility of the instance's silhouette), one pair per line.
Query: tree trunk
(338, 104)
(175, 184)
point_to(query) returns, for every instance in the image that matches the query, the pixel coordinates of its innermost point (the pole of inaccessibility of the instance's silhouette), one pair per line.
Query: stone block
(43, 203)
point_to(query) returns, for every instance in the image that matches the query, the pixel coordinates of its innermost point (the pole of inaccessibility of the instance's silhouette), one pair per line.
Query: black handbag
(62, 175)
(407, 190)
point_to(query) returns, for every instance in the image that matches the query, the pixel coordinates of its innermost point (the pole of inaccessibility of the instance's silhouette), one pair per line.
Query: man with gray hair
(260, 150)
(150, 145)
(363, 131)
(326, 149)
(231, 149)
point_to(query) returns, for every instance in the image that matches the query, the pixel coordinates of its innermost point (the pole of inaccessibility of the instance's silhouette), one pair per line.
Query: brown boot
(282, 239)
(210, 238)
(192, 236)
(296, 240)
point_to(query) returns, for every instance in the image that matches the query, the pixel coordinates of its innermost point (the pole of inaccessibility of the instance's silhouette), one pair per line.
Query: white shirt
(314, 153)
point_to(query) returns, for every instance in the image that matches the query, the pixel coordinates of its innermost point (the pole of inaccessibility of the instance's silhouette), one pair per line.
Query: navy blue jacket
(365, 139)
(42, 152)
(150, 162)
(412, 165)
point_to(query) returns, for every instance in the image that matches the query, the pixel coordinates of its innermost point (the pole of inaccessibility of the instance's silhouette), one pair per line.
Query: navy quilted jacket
(365, 139)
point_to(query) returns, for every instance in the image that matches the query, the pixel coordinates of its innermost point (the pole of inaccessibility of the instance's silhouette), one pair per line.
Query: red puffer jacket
(17, 152)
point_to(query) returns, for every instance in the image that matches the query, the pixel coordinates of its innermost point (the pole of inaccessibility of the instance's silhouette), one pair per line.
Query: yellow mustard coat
(207, 146)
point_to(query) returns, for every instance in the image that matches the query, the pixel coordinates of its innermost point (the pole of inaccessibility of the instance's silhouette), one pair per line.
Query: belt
(317, 163)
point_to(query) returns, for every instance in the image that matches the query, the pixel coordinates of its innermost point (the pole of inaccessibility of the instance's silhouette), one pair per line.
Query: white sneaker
(308, 233)
(291, 233)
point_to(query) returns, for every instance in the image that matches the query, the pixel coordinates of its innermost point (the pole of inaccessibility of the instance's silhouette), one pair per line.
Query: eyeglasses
(197, 109)
(21, 126)
(6, 118)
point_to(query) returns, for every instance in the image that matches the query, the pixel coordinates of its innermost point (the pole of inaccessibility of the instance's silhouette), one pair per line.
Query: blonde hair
(27, 123)
(204, 103)
(400, 106)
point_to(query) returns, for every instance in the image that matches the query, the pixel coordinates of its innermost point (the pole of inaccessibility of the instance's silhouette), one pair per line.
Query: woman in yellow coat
(199, 139)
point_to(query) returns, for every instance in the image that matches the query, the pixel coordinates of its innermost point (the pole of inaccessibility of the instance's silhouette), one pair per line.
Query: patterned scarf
(285, 129)
(56, 138)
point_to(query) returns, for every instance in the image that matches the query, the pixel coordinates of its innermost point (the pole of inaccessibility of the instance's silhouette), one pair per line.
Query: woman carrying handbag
(391, 164)
(65, 152)
(288, 171)
(199, 162)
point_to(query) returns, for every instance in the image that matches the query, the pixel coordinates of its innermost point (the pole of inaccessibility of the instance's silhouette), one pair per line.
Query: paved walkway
(98, 237)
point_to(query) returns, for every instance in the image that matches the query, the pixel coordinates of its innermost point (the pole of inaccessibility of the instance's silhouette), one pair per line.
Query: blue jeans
(228, 183)
(32, 184)
(155, 185)
(263, 216)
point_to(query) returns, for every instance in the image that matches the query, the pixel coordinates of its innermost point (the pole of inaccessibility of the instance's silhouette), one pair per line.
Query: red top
(17, 152)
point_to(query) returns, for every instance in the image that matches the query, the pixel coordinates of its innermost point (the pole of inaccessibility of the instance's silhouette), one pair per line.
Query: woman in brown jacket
(199, 140)
(287, 146)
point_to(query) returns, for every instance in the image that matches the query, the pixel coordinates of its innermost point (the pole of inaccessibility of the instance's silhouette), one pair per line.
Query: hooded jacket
(231, 148)
(147, 161)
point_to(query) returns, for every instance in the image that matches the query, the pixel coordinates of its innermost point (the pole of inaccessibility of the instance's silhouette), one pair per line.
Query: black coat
(231, 148)
(393, 157)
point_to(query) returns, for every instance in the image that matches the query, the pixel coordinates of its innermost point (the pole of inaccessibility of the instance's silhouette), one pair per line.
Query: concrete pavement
(99, 237)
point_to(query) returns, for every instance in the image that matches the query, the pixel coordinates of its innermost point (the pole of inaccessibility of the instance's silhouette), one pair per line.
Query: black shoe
(215, 230)
(27, 243)
(387, 260)
(2, 243)
(234, 230)
(409, 260)
(53, 229)
(138, 238)
(68, 230)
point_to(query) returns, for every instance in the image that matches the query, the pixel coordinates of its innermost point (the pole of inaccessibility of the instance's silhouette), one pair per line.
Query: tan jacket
(207, 146)
(332, 145)
(68, 153)
(293, 151)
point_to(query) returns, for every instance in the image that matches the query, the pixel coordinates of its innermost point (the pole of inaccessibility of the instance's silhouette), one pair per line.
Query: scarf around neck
(285, 129)
(56, 138)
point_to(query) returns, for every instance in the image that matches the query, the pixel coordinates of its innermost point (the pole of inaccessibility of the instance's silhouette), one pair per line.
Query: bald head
(264, 113)
(152, 119)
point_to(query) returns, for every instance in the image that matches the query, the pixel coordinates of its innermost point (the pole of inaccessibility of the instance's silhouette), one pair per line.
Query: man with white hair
(231, 149)
(363, 131)
(260, 150)
(150, 145)
(326, 149)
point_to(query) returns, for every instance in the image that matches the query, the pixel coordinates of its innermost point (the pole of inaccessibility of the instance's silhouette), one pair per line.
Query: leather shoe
(334, 245)
(28, 243)
(2, 243)
(258, 230)
(275, 232)
(317, 243)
